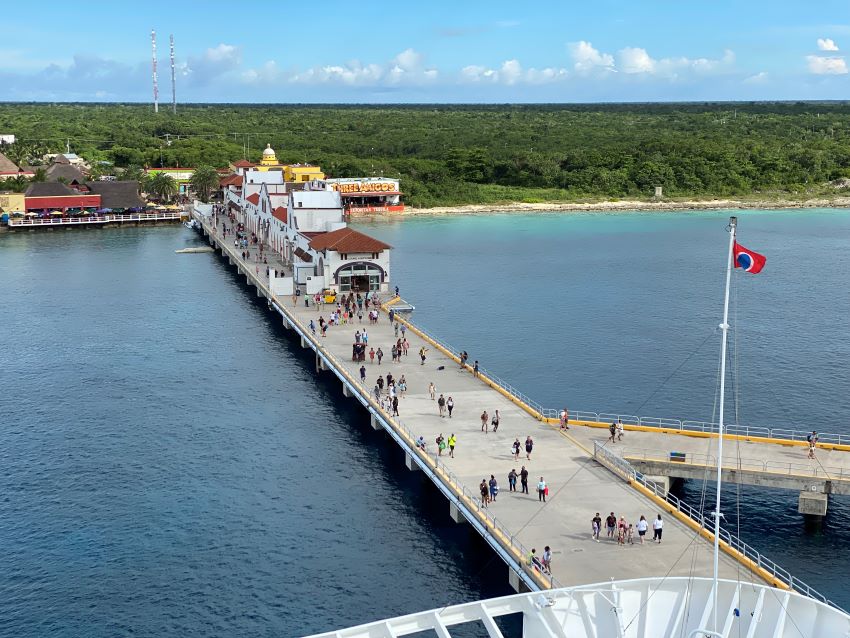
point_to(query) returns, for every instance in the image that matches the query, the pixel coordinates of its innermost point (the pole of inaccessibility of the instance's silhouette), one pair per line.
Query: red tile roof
(279, 213)
(231, 180)
(348, 240)
(243, 164)
(254, 199)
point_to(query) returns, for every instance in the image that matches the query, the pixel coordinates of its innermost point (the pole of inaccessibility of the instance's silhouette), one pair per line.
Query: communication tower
(173, 83)
(153, 62)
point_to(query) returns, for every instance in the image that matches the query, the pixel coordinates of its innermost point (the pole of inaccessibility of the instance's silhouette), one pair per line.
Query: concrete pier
(515, 522)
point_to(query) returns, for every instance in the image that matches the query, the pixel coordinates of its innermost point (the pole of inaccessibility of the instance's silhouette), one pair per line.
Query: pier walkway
(758, 461)
(580, 484)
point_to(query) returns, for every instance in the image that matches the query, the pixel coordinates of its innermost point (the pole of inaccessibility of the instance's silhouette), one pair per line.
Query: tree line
(460, 154)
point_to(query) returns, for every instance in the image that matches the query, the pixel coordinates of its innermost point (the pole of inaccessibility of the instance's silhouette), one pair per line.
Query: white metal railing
(807, 470)
(93, 219)
(626, 471)
(470, 499)
(783, 434)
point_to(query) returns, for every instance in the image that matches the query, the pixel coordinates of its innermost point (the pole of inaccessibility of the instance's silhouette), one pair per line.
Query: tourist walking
(565, 419)
(475, 369)
(371, 355)
(542, 490)
(621, 531)
(380, 354)
(516, 447)
(611, 524)
(494, 488)
(547, 560)
(523, 479)
(484, 417)
(395, 405)
(813, 443)
(362, 374)
(512, 477)
(441, 405)
(529, 446)
(432, 390)
(612, 432)
(402, 386)
(441, 444)
(450, 405)
(596, 527)
(642, 526)
(495, 422)
(452, 443)
(619, 430)
(422, 352)
(657, 528)
(485, 492)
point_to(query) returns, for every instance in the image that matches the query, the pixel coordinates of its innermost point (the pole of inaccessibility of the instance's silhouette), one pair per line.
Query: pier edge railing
(630, 421)
(705, 525)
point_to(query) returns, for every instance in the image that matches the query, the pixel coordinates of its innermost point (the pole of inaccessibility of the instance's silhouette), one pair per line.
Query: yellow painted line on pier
(841, 447)
(684, 518)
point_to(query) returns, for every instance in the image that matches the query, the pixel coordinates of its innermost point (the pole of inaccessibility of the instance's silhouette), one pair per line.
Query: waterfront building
(118, 195)
(67, 174)
(304, 223)
(47, 197)
(181, 175)
(12, 203)
(365, 195)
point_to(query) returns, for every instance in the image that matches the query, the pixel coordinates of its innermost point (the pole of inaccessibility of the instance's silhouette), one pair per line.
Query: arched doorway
(360, 276)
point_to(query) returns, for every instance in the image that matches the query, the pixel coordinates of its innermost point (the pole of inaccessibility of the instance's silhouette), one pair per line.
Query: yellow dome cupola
(269, 157)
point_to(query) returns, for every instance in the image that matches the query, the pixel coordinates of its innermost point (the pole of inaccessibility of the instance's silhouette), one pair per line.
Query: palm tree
(40, 175)
(204, 182)
(163, 186)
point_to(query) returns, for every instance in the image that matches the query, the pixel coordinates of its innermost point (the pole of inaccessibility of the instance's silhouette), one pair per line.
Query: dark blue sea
(170, 464)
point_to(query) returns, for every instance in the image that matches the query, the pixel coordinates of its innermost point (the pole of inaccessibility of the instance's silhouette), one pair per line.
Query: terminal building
(365, 195)
(301, 216)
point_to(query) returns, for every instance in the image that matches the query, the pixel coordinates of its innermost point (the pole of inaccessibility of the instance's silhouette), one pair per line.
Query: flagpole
(724, 328)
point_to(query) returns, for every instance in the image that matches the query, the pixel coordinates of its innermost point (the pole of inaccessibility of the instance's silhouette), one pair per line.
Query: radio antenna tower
(153, 62)
(173, 83)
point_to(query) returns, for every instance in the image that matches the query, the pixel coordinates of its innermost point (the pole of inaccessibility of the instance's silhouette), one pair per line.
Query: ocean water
(171, 465)
(618, 312)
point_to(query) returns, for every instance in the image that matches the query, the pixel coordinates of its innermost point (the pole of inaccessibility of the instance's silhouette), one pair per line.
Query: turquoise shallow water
(171, 466)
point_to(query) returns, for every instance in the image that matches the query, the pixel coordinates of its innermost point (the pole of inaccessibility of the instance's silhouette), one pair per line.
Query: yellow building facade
(12, 202)
(291, 172)
(302, 173)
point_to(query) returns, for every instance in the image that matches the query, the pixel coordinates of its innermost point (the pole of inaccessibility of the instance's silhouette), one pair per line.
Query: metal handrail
(782, 434)
(734, 463)
(471, 500)
(65, 221)
(626, 471)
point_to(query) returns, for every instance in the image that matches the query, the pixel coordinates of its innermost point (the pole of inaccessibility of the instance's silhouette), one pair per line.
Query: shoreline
(617, 206)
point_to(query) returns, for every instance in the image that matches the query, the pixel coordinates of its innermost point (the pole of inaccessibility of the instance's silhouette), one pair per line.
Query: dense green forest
(454, 154)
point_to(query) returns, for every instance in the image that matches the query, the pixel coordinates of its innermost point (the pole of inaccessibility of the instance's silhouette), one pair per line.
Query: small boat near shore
(199, 249)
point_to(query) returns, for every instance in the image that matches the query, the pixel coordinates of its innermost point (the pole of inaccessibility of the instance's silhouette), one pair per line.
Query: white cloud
(587, 59)
(510, 73)
(827, 44)
(635, 60)
(827, 65)
(406, 68)
(759, 78)
(222, 53)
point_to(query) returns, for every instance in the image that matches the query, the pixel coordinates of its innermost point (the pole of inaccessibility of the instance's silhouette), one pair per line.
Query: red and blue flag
(748, 260)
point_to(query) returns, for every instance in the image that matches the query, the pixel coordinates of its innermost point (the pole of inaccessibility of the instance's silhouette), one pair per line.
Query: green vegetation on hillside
(449, 155)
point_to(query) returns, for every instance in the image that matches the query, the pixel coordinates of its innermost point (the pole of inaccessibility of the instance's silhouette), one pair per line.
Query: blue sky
(568, 51)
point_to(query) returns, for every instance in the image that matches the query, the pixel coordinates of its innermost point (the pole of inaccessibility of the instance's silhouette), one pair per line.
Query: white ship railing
(627, 472)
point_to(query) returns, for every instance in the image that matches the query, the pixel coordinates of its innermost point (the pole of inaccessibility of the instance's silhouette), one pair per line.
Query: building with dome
(269, 161)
